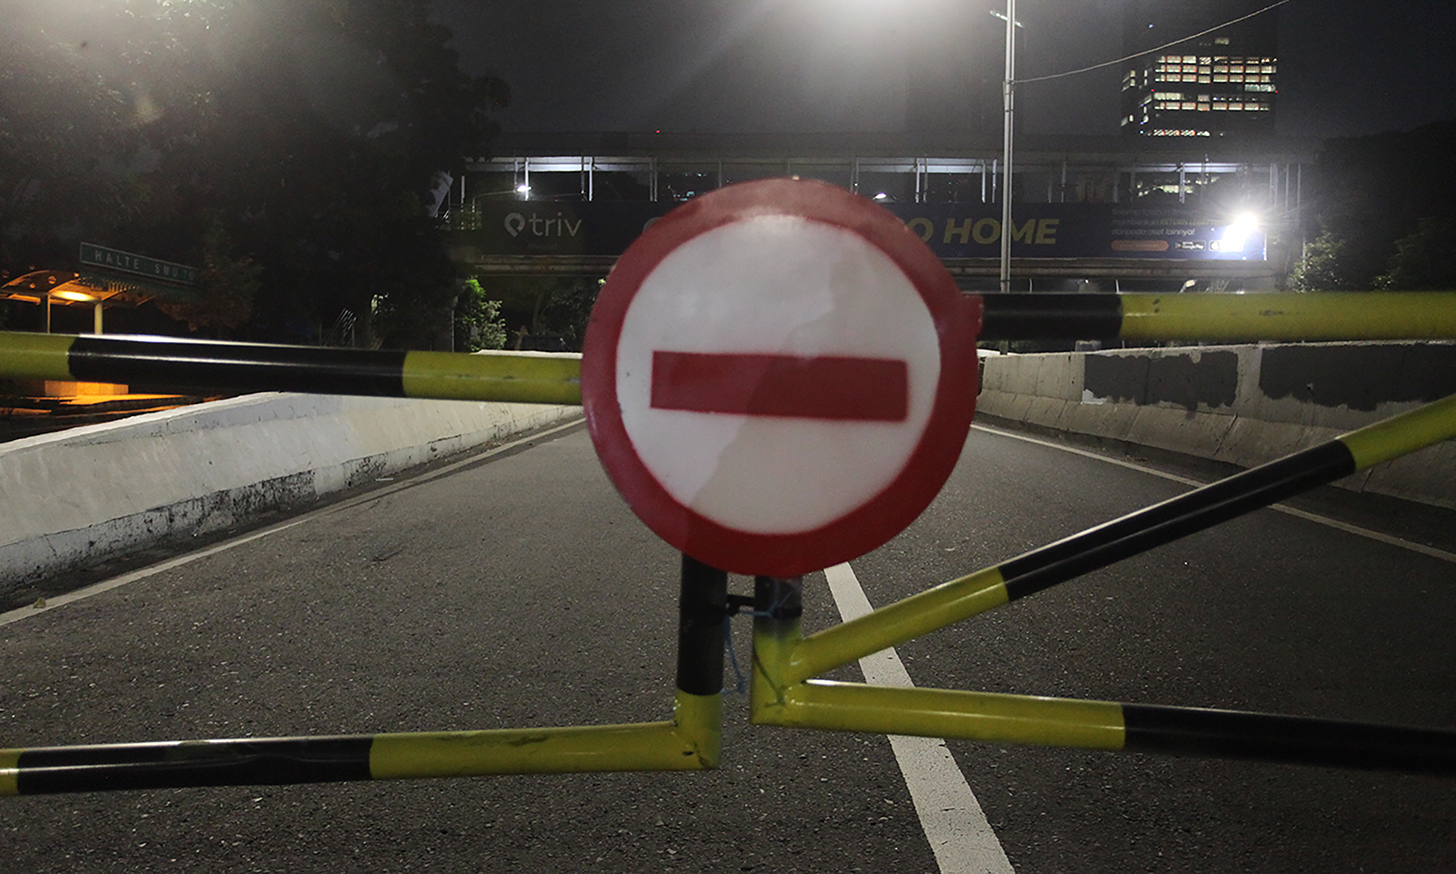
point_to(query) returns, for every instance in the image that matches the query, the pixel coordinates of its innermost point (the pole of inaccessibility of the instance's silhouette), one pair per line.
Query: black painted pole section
(205, 364)
(171, 765)
(778, 599)
(1291, 739)
(702, 617)
(1050, 316)
(1176, 518)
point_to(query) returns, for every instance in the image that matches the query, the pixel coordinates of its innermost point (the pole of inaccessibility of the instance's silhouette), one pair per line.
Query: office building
(1222, 83)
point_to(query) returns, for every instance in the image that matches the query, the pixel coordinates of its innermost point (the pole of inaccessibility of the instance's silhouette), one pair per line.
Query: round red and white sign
(779, 376)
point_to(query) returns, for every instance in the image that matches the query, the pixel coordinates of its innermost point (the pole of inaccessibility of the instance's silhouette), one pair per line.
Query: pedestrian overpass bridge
(1108, 213)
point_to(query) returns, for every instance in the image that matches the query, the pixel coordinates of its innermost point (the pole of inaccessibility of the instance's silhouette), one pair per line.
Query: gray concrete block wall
(1245, 405)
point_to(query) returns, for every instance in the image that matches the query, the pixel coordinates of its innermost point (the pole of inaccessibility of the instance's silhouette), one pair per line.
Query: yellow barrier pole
(785, 694)
(216, 366)
(689, 742)
(1120, 538)
(981, 716)
(692, 740)
(991, 717)
(896, 623)
(1385, 315)
(776, 611)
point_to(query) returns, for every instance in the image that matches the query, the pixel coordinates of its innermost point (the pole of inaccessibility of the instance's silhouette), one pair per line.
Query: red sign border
(957, 322)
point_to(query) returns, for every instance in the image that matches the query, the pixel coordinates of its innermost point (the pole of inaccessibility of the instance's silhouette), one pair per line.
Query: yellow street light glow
(74, 295)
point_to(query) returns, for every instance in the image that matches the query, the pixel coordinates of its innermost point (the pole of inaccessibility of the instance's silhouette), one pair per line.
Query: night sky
(1346, 67)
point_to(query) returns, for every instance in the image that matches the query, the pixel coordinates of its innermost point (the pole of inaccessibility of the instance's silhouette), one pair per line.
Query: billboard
(1082, 230)
(952, 230)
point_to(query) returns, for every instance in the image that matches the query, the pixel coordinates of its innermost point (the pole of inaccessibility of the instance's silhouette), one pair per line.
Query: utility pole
(1009, 97)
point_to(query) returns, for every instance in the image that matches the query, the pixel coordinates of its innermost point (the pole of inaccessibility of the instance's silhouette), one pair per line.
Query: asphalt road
(520, 591)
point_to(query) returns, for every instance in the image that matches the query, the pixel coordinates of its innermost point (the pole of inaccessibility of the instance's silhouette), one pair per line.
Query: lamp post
(1009, 99)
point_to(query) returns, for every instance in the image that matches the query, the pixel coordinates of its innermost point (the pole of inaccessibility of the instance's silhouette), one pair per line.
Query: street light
(1009, 99)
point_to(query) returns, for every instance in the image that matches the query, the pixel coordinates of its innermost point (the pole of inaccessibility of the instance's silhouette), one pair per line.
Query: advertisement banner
(952, 230)
(1081, 230)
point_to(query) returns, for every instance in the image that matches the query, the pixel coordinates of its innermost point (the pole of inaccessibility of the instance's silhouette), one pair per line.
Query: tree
(554, 306)
(226, 286)
(1424, 260)
(310, 131)
(1325, 266)
(478, 323)
(565, 309)
(1375, 191)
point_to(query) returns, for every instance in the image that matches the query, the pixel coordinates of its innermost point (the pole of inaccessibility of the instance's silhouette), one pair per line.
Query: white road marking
(955, 826)
(1388, 539)
(142, 573)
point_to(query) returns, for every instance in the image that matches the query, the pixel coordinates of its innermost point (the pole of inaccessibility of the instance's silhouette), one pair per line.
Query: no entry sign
(779, 377)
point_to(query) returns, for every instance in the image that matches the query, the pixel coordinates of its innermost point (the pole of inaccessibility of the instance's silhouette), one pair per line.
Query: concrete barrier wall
(1244, 405)
(79, 496)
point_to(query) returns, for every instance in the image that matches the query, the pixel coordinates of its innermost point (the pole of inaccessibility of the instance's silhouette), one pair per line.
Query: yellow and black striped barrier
(690, 741)
(1226, 318)
(1123, 538)
(785, 689)
(221, 366)
(173, 363)
(786, 693)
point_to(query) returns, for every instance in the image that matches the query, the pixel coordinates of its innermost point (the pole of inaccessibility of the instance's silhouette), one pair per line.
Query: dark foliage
(1386, 207)
(290, 148)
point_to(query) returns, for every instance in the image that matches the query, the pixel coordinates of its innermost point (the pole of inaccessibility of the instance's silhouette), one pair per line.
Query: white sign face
(777, 379)
(792, 288)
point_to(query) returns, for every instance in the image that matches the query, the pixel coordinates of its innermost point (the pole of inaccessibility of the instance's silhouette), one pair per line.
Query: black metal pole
(702, 613)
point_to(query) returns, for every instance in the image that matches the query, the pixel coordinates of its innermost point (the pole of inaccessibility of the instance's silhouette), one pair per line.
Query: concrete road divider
(1245, 405)
(77, 497)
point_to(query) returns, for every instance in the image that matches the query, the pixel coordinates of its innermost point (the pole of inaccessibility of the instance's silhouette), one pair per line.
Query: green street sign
(154, 269)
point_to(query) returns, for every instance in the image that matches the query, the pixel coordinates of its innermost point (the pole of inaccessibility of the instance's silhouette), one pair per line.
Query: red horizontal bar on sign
(830, 387)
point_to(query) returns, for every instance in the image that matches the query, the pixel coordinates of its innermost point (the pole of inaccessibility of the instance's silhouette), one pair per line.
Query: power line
(1152, 51)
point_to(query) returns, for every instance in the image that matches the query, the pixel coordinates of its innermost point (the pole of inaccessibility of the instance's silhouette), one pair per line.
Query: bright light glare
(524, 190)
(1235, 235)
